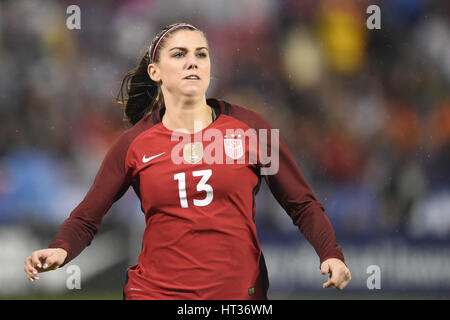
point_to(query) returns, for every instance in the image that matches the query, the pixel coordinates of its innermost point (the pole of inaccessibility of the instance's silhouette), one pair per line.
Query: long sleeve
(292, 192)
(110, 183)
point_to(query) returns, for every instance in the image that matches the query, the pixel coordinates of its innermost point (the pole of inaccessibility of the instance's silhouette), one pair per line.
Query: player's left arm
(294, 194)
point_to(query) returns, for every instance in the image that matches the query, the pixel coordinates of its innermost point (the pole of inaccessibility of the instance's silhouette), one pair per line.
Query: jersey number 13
(201, 186)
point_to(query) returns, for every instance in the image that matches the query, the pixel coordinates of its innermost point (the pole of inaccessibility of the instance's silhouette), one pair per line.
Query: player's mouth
(193, 77)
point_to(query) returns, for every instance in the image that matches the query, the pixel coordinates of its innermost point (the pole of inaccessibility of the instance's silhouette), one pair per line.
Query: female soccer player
(198, 195)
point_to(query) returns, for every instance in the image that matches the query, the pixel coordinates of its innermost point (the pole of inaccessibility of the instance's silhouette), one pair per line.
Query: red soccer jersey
(198, 192)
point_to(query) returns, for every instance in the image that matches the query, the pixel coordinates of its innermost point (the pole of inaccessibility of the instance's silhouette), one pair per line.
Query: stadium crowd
(366, 113)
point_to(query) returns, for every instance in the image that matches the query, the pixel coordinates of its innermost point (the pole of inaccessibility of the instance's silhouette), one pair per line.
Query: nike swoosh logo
(145, 160)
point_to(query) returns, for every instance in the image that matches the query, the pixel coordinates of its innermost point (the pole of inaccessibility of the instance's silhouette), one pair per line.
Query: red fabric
(209, 249)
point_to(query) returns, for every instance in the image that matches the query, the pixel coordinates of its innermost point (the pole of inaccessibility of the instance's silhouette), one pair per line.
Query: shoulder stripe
(155, 120)
(227, 108)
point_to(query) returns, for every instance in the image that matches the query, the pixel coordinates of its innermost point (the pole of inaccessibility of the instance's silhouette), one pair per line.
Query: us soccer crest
(233, 146)
(193, 152)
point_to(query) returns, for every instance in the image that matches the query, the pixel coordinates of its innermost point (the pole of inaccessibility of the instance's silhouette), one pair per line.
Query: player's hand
(340, 275)
(42, 261)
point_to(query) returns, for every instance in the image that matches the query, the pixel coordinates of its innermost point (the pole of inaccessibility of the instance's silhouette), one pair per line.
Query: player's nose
(192, 62)
(192, 65)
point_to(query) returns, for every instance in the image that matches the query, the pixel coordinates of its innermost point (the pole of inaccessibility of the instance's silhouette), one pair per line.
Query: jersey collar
(218, 106)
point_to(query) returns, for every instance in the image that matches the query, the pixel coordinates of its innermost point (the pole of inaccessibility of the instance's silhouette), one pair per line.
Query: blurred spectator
(365, 113)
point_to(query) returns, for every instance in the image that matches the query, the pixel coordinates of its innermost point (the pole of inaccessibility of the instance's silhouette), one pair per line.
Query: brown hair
(144, 94)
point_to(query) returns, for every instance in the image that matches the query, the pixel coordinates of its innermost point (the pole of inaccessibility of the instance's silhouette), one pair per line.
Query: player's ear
(153, 72)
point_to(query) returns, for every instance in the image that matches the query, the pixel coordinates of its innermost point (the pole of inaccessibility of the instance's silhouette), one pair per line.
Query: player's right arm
(77, 231)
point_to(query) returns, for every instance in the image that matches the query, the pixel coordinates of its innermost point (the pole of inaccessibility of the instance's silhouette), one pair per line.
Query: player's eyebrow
(184, 49)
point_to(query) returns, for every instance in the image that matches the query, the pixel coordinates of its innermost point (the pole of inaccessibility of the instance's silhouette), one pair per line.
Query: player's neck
(187, 114)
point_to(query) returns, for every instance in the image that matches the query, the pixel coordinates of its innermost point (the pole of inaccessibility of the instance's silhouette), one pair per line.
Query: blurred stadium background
(365, 112)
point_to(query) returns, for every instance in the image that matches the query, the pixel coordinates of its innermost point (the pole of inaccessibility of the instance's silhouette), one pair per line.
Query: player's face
(185, 53)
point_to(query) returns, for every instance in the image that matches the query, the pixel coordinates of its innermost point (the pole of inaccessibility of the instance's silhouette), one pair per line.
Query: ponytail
(144, 94)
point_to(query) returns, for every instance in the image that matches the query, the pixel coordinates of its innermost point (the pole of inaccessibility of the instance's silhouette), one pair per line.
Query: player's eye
(182, 54)
(178, 54)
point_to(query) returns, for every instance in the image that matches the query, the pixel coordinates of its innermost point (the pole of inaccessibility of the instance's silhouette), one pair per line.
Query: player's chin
(193, 90)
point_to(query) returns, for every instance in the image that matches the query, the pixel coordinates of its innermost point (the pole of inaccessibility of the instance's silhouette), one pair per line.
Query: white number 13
(201, 186)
